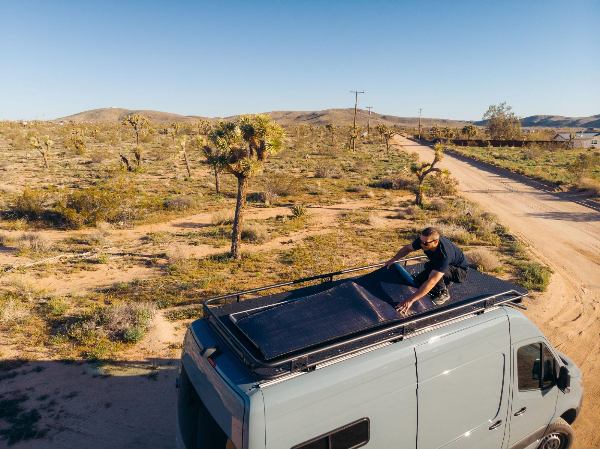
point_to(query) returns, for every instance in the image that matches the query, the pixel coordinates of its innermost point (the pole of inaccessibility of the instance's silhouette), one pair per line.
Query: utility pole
(353, 137)
(369, 120)
(420, 109)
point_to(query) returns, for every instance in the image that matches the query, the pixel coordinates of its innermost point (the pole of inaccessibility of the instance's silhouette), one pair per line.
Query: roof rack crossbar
(300, 361)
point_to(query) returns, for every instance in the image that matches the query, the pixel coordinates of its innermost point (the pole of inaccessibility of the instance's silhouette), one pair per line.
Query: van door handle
(520, 412)
(495, 425)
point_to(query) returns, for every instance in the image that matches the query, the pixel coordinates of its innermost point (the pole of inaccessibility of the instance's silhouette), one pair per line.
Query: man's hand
(404, 308)
(390, 262)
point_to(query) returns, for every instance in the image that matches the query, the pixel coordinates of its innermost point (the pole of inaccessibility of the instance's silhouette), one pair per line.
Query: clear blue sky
(217, 58)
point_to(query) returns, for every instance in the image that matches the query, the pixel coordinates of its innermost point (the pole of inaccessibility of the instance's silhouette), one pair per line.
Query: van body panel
(224, 401)
(463, 387)
(379, 385)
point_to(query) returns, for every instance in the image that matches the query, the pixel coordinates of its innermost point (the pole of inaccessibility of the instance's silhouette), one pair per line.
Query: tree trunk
(187, 164)
(45, 156)
(217, 183)
(238, 219)
(387, 146)
(419, 194)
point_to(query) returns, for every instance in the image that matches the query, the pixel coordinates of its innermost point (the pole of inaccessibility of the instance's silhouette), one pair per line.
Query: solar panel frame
(308, 358)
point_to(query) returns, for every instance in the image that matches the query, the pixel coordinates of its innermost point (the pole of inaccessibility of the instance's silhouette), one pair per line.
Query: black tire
(558, 436)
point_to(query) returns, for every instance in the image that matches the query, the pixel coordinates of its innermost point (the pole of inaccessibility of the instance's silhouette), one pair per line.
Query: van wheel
(558, 436)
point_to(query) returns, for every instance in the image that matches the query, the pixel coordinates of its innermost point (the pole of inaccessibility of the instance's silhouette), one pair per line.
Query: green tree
(139, 123)
(502, 123)
(244, 147)
(424, 169)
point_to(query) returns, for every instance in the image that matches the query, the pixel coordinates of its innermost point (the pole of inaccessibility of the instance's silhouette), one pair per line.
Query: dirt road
(564, 235)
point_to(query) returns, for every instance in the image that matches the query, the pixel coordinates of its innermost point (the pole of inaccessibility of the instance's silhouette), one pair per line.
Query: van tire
(558, 436)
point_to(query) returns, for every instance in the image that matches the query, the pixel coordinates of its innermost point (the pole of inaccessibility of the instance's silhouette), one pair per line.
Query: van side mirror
(564, 378)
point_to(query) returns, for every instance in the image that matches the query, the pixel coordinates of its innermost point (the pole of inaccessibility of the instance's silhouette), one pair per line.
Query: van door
(463, 380)
(534, 392)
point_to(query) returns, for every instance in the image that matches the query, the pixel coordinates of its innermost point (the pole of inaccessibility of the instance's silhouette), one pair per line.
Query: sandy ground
(129, 403)
(564, 235)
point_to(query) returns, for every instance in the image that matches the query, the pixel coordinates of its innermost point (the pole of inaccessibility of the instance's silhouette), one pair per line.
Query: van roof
(297, 329)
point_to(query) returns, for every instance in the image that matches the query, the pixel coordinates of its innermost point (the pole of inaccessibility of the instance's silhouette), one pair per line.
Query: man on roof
(446, 264)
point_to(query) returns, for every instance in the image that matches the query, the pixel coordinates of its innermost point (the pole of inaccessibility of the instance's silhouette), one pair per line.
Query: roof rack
(391, 331)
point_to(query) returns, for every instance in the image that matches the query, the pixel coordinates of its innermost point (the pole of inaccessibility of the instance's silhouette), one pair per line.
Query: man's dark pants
(456, 274)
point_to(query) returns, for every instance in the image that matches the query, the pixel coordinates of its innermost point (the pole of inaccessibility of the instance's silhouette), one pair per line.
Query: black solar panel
(326, 314)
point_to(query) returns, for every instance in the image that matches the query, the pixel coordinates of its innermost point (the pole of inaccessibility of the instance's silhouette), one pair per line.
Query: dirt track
(565, 236)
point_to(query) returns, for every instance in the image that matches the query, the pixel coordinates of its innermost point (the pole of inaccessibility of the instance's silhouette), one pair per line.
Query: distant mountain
(286, 118)
(557, 121)
(118, 114)
(325, 116)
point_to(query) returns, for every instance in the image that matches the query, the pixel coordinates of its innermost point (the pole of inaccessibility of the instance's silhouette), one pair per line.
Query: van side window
(350, 436)
(536, 367)
(529, 366)
(549, 368)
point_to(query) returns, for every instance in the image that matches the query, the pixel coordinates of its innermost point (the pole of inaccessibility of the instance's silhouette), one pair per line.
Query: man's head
(430, 238)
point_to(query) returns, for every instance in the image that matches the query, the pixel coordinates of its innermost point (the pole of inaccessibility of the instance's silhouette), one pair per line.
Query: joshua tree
(331, 128)
(173, 130)
(387, 133)
(42, 146)
(183, 140)
(435, 132)
(215, 158)
(203, 127)
(469, 130)
(423, 169)
(139, 123)
(129, 165)
(244, 147)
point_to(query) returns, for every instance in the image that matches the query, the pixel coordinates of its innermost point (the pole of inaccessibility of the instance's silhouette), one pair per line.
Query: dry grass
(484, 260)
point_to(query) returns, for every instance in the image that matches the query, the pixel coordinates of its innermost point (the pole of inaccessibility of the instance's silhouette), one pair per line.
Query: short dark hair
(428, 232)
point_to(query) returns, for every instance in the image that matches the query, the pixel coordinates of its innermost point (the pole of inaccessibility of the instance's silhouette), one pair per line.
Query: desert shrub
(253, 233)
(437, 204)
(589, 184)
(411, 213)
(327, 172)
(282, 185)
(441, 184)
(222, 217)
(533, 275)
(56, 306)
(107, 202)
(456, 233)
(124, 322)
(356, 188)
(298, 210)
(403, 182)
(179, 203)
(99, 156)
(32, 242)
(6, 239)
(31, 204)
(484, 260)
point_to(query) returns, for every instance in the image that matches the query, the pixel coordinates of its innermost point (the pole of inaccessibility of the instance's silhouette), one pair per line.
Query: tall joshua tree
(423, 169)
(387, 133)
(182, 141)
(139, 123)
(244, 147)
(43, 146)
(331, 128)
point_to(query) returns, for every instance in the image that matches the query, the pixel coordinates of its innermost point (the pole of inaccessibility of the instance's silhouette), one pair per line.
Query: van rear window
(350, 436)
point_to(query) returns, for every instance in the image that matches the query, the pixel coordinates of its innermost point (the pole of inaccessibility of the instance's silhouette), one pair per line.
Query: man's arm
(434, 278)
(404, 251)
